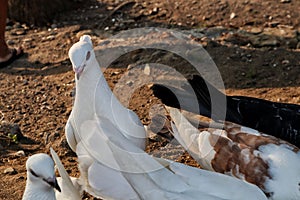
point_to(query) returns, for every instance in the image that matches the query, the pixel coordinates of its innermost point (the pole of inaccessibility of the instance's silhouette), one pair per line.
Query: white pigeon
(94, 98)
(41, 180)
(109, 172)
(115, 168)
(266, 161)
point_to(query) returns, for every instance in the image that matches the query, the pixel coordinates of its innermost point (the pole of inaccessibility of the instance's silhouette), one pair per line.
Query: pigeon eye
(88, 55)
(33, 173)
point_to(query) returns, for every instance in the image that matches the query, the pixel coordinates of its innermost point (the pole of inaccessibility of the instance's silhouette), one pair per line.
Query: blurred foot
(11, 55)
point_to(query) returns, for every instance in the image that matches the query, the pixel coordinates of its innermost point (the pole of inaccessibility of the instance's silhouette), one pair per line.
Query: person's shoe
(14, 56)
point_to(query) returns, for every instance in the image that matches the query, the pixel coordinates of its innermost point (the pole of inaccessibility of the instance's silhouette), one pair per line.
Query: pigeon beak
(78, 71)
(53, 183)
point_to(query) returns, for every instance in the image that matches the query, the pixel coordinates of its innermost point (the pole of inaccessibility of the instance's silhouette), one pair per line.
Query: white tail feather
(75, 194)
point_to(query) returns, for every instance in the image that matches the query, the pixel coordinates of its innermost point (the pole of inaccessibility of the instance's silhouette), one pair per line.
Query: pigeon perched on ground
(94, 98)
(41, 180)
(109, 140)
(278, 119)
(268, 162)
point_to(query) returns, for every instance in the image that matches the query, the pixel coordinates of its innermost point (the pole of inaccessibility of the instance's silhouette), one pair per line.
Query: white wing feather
(151, 179)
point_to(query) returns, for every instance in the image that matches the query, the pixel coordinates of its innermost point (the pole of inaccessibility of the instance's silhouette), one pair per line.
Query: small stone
(110, 8)
(25, 27)
(129, 83)
(285, 1)
(10, 171)
(232, 16)
(131, 66)
(20, 153)
(256, 30)
(155, 10)
(27, 40)
(147, 70)
(285, 62)
(115, 73)
(20, 32)
(50, 37)
(269, 42)
(273, 24)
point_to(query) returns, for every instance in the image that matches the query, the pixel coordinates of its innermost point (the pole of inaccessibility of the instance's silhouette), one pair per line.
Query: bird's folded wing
(223, 186)
(148, 178)
(98, 168)
(198, 145)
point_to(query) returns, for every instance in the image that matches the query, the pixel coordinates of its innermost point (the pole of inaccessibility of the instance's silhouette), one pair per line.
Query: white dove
(117, 169)
(95, 98)
(266, 161)
(41, 180)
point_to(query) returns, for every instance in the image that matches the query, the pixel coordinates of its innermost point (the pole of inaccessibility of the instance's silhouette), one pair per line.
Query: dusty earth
(254, 43)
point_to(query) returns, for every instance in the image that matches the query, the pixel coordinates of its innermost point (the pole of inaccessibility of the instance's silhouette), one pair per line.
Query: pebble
(147, 70)
(9, 171)
(232, 15)
(129, 83)
(285, 62)
(131, 66)
(20, 32)
(285, 1)
(20, 153)
(50, 37)
(273, 24)
(27, 40)
(256, 30)
(115, 73)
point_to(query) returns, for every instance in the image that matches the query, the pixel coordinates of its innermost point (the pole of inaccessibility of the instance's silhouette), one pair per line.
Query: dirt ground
(254, 43)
